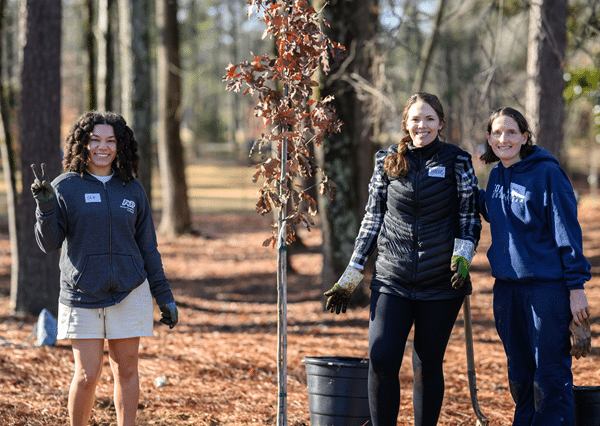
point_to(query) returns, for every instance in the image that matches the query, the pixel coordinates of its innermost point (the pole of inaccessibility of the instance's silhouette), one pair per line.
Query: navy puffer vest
(417, 236)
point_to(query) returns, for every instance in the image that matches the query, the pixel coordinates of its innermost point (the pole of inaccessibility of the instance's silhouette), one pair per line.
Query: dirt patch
(220, 361)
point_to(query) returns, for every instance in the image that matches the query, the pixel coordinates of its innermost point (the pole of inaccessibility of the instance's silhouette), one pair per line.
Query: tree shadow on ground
(254, 288)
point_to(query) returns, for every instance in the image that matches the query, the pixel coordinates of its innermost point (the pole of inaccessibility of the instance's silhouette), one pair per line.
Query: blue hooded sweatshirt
(532, 211)
(107, 237)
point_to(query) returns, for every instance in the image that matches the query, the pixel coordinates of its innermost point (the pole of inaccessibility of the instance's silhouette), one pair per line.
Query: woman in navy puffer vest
(422, 217)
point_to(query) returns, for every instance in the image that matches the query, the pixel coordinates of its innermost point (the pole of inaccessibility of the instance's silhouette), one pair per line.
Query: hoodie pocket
(128, 271)
(94, 276)
(103, 274)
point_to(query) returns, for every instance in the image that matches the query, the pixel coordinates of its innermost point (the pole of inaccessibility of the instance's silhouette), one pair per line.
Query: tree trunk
(428, 49)
(545, 67)
(9, 168)
(347, 157)
(38, 275)
(105, 58)
(92, 58)
(136, 99)
(236, 10)
(282, 262)
(175, 211)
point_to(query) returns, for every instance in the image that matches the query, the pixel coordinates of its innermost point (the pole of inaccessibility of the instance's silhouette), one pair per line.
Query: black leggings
(391, 320)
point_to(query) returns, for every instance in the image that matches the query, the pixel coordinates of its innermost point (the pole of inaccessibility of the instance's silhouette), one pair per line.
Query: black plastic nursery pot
(587, 405)
(337, 391)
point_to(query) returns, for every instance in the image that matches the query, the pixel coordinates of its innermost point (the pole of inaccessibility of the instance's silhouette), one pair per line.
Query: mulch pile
(219, 364)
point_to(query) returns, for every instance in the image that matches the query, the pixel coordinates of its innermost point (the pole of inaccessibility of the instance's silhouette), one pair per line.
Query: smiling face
(422, 123)
(506, 140)
(103, 150)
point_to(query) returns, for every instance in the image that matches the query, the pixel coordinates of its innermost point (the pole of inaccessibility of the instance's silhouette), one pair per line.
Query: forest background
(161, 64)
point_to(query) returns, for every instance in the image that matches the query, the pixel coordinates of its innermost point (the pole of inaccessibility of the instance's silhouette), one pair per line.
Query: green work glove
(40, 188)
(462, 255)
(582, 338)
(340, 294)
(170, 316)
(460, 267)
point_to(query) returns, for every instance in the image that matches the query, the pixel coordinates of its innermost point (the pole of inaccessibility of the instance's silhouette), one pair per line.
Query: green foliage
(284, 87)
(210, 127)
(581, 82)
(583, 23)
(512, 7)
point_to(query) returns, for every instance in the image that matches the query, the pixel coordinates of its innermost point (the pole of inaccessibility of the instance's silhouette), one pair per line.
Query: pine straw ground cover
(220, 360)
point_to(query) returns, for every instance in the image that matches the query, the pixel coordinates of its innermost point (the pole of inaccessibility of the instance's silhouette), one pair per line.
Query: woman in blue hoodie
(99, 216)
(537, 260)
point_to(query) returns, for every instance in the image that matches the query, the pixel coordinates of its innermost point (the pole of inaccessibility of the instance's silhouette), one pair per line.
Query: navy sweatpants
(533, 323)
(390, 323)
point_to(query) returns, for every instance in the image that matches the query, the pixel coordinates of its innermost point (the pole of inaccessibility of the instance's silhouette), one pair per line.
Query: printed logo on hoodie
(129, 205)
(517, 193)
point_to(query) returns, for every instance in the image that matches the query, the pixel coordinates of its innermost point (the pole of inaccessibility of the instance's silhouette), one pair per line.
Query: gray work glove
(339, 295)
(170, 315)
(40, 188)
(462, 255)
(582, 338)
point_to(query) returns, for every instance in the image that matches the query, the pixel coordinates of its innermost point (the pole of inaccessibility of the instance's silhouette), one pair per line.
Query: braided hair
(76, 154)
(396, 165)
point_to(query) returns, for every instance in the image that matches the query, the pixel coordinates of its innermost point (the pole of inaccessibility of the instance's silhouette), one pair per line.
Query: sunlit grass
(217, 184)
(214, 185)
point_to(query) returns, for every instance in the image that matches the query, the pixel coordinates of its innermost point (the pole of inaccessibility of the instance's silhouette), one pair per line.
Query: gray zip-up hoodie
(107, 238)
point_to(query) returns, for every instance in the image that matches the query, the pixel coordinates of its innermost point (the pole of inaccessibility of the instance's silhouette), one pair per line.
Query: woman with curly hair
(77, 150)
(100, 217)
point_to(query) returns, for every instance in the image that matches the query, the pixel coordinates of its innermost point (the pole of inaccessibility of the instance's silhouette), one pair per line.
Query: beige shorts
(133, 317)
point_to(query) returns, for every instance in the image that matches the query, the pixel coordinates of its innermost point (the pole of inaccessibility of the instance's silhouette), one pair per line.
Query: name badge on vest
(437, 172)
(92, 198)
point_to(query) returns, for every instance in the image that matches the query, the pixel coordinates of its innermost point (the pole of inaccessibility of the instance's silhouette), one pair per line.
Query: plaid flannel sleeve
(466, 181)
(374, 211)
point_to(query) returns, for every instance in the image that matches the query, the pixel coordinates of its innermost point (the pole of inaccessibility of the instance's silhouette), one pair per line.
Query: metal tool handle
(482, 420)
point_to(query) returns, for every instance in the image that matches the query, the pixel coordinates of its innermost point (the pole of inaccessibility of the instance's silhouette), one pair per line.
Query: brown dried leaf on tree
(292, 114)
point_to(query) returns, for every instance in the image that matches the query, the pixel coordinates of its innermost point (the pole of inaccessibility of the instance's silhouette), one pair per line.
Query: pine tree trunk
(347, 157)
(136, 99)
(9, 169)
(38, 275)
(175, 212)
(105, 55)
(92, 57)
(428, 49)
(545, 67)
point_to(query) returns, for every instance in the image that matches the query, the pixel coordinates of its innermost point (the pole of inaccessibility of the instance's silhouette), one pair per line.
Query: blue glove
(170, 316)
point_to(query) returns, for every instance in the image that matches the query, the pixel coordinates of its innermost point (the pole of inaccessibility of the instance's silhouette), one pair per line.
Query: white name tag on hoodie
(438, 172)
(92, 198)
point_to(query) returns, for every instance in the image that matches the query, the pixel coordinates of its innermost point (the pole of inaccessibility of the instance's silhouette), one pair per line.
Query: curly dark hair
(76, 154)
(396, 165)
(526, 149)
